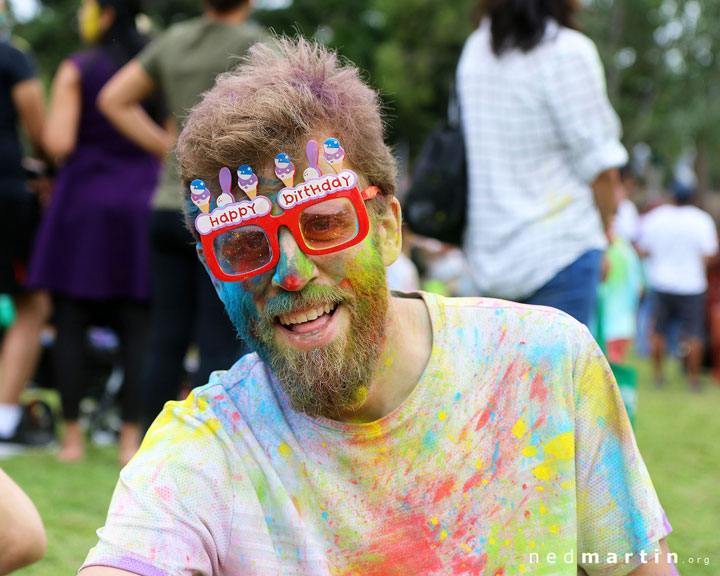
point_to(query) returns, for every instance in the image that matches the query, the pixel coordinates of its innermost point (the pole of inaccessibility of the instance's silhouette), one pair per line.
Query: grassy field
(678, 433)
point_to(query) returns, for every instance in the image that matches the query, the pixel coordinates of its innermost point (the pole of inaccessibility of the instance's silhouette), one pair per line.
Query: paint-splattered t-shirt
(514, 446)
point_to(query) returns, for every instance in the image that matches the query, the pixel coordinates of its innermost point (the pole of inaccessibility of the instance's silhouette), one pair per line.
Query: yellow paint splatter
(539, 488)
(543, 510)
(543, 471)
(360, 396)
(561, 446)
(520, 428)
(492, 541)
(521, 567)
(433, 520)
(532, 543)
(442, 415)
(284, 449)
(443, 535)
(529, 451)
(478, 464)
(554, 529)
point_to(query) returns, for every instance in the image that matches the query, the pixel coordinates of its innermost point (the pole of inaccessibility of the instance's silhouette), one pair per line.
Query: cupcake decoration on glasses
(200, 195)
(333, 154)
(247, 181)
(285, 169)
(325, 213)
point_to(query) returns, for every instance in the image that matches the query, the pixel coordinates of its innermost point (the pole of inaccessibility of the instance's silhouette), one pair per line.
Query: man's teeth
(306, 315)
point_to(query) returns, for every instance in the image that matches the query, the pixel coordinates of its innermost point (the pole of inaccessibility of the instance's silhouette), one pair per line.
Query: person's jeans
(573, 289)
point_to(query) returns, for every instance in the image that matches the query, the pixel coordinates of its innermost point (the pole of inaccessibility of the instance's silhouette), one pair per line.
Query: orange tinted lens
(242, 250)
(328, 224)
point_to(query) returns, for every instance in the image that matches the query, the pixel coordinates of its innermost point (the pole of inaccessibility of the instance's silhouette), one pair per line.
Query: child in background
(620, 292)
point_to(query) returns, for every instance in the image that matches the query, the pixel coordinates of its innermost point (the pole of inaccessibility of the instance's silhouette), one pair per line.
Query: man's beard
(331, 379)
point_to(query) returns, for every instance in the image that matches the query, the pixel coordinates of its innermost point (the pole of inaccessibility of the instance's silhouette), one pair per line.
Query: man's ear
(389, 226)
(219, 286)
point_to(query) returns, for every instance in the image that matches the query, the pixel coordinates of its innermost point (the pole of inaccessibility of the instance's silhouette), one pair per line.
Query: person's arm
(574, 84)
(22, 535)
(663, 566)
(119, 101)
(604, 190)
(28, 99)
(61, 126)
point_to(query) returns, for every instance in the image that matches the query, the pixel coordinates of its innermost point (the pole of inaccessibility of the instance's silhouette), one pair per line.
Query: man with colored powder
(370, 432)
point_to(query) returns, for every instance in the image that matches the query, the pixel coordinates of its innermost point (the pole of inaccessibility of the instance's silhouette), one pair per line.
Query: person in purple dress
(92, 248)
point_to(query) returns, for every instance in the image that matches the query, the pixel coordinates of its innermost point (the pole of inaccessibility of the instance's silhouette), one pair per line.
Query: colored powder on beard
(322, 380)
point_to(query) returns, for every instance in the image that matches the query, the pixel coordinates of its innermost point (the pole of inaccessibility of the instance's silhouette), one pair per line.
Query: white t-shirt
(538, 130)
(677, 239)
(627, 221)
(514, 445)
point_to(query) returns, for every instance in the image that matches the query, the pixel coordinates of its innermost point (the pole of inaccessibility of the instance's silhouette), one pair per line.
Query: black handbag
(436, 203)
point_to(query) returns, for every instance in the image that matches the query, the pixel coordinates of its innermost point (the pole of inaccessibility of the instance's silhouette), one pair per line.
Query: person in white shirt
(627, 220)
(541, 140)
(677, 239)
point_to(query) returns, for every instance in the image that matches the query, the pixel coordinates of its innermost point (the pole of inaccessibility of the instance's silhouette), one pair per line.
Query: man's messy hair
(277, 99)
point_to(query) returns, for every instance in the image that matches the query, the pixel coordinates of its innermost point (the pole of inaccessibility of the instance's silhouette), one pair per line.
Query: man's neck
(236, 16)
(408, 344)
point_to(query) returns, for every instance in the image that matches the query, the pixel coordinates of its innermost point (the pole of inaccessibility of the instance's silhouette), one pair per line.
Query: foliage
(409, 49)
(663, 70)
(53, 34)
(661, 58)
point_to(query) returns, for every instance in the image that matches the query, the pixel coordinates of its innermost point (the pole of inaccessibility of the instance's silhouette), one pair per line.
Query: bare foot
(71, 453)
(73, 444)
(128, 442)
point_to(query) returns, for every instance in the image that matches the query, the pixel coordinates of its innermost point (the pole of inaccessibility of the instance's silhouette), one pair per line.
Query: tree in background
(663, 66)
(662, 59)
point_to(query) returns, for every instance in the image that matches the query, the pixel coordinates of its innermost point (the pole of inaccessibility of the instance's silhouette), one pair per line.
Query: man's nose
(294, 268)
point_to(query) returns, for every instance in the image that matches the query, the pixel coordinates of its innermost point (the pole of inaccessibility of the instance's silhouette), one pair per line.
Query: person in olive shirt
(182, 62)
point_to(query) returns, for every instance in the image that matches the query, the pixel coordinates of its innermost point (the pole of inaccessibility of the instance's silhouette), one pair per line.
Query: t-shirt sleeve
(20, 67)
(577, 98)
(172, 509)
(618, 511)
(150, 57)
(710, 237)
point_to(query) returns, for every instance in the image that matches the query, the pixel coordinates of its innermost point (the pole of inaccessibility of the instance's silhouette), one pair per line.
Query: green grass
(72, 499)
(678, 433)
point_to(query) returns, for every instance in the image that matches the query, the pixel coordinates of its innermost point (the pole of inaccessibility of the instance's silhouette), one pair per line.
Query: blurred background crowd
(103, 298)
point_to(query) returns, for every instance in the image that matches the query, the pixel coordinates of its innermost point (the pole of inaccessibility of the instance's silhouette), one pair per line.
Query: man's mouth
(307, 321)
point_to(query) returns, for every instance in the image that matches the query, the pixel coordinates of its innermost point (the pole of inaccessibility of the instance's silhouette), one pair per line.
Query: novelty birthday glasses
(325, 213)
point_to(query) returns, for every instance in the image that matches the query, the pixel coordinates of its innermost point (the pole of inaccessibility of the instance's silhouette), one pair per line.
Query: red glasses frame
(291, 219)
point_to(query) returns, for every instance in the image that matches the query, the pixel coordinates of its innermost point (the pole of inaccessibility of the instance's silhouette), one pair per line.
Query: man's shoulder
(247, 378)
(490, 315)
(227, 392)
(498, 307)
